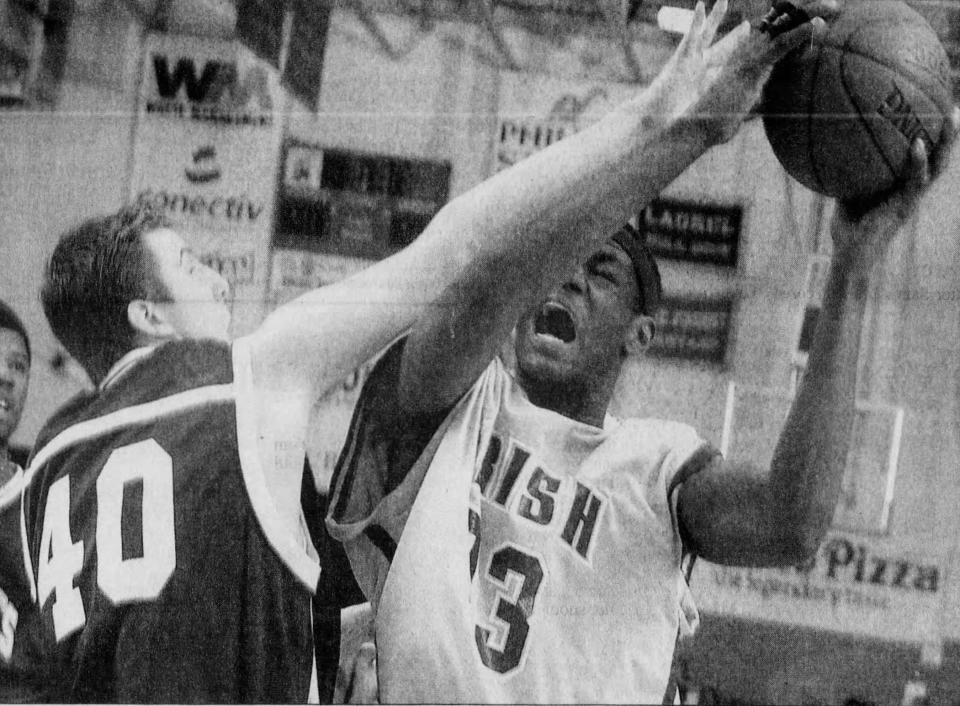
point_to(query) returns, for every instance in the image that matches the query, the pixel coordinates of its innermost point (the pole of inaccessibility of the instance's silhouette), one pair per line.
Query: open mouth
(555, 321)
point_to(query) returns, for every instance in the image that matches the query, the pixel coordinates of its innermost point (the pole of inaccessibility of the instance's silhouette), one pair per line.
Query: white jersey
(526, 557)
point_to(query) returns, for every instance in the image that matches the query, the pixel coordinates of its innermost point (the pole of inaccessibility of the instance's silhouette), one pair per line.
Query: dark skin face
(570, 346)
(14, 376)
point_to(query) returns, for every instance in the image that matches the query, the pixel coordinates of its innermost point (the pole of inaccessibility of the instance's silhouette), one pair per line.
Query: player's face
(197, 306)
(14, 376)
(579, 331)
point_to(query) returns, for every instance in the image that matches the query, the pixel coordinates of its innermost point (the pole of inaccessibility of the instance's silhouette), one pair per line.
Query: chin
(553, 363)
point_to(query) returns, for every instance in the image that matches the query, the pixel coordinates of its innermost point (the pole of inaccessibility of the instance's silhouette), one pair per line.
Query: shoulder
(150, 389)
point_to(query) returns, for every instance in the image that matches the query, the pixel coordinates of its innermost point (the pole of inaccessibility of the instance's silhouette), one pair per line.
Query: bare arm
(552, 210)
(733, 514)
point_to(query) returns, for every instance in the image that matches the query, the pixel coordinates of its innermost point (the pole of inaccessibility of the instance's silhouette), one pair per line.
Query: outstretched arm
(550, 211)
(733, 514)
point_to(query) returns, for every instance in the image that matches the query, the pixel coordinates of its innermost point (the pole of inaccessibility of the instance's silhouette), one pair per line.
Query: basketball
(841, 115)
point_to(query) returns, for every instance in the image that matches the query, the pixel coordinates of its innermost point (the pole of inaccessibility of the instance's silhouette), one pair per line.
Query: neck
(583, 402)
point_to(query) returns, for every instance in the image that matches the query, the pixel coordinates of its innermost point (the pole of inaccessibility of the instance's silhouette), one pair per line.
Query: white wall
(57, 167)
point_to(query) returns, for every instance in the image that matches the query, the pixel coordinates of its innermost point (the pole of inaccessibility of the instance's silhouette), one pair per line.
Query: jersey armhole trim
(382, 540)
(287, 547)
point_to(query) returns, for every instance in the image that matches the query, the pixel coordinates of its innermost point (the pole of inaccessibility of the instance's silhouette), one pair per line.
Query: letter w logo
(219, 83)
(185, 73)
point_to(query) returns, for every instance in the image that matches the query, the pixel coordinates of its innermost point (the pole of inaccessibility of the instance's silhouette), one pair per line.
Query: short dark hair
(649, 284)
(10, 321)
(94, 273)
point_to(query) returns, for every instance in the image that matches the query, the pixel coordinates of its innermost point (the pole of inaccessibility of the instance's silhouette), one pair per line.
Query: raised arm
(546, 214)
(735, 514)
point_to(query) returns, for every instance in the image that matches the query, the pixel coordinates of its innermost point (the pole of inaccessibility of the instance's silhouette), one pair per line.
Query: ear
(639, 334)
(147, 321)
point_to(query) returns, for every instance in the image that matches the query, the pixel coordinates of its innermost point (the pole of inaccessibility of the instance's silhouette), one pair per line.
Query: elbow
(798, 545)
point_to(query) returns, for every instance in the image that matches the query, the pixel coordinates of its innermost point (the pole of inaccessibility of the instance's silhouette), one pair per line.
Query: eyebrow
(604, 257)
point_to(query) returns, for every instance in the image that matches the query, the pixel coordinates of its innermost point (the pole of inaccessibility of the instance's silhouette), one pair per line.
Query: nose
(577, 282)
(6, 374)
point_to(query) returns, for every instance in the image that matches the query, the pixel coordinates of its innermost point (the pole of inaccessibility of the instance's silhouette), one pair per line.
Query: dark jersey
(21, 667)
(163, 571)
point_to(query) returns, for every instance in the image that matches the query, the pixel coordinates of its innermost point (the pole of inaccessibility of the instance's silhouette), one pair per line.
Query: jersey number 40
(144, 466)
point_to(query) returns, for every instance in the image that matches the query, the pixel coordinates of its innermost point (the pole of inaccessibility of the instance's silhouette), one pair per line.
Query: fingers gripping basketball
(841, 114)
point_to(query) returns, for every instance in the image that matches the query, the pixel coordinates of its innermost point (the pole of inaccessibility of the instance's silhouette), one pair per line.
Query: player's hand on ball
(862, 231)
(738, 65)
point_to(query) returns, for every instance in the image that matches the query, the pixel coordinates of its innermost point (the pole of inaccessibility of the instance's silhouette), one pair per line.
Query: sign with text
(295, 272)
(206, 151)
(693, 329)
(355, 204)
(852, 585)
(692, 231)
(534, 115)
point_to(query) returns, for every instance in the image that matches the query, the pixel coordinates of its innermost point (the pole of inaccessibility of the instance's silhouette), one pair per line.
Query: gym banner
(206, 150)
(853, 585)
(355, 204)
(692, 231)
(535, 114)
(694, 329)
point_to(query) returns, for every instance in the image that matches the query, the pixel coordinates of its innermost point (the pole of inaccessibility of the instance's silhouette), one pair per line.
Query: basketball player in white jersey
(517, 542)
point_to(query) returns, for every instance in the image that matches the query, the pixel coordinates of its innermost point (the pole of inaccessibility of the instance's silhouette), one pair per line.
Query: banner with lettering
(694, 329)
(692, 231)
(535, 114)
(206, 150)
(855, 585)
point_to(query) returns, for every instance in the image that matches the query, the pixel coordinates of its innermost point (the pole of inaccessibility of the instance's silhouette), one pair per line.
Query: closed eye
(605, 272)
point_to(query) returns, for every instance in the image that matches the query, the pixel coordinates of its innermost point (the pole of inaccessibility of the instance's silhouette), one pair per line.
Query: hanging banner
(854, 585)
(206, 150)
(535, 114)
(694, 329)
(691, 231)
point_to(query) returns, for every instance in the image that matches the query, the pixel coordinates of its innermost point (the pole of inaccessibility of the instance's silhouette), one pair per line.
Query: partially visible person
(14, 380)
(21, 678)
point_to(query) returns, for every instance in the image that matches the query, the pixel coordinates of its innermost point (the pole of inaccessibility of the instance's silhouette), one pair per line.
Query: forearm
(811, 453)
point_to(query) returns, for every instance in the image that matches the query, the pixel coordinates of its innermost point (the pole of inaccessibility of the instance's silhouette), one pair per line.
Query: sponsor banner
(355, 204)
(695, 329)
(691, 231)
(206, 150)
(236, 268)
(294, 272)
(535, 114)
(853, 586)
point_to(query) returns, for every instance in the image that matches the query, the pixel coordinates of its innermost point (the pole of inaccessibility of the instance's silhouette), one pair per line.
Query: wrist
(850, 272)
